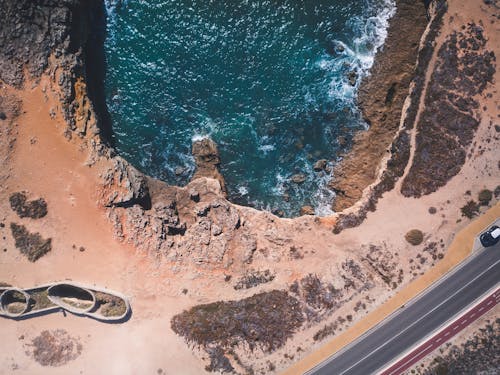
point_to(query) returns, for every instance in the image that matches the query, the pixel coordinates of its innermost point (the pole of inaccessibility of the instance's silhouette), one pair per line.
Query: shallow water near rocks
(271, 83)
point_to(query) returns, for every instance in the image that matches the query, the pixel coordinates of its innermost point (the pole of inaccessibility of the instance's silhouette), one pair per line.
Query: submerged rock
(298, 178)
(352, 76)
(320, 165)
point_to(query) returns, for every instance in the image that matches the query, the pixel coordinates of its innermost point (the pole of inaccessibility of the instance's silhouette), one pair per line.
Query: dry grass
(110, 306)
(54, 348)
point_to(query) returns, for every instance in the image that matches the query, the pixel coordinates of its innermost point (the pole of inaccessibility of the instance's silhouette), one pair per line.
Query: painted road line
(423, 316)
(410, 358)
(454, 269)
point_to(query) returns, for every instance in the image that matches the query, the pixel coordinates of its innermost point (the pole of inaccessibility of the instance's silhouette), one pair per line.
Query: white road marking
(395, 371)
(422, 317)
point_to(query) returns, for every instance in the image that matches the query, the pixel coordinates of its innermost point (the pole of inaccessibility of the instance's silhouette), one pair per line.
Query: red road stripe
(444, 335)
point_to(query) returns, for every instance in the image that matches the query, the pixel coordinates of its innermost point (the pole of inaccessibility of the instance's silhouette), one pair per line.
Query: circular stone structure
(73, 298)
(14, 302)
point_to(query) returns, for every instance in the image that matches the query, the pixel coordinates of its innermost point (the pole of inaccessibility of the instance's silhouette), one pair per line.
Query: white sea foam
(199, 137)
(242, 190)
(266, 148)
(358, 54)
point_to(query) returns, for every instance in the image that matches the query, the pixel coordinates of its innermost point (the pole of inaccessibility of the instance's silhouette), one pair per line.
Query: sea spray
(273, 84)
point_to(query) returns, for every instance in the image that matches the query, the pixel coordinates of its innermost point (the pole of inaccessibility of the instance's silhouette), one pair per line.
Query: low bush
(265, 320)
(415, 237)
(32, 245)
(470, 209)
(485, 197)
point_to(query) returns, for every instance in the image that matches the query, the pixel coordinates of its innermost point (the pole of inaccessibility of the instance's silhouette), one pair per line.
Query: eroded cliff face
(192, 225)
(381, 98)
(194, 232)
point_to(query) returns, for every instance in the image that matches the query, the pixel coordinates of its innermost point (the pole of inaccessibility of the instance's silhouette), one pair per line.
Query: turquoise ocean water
(267, 80)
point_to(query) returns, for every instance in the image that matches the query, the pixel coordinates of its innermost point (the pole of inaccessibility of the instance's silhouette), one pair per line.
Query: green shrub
(470, 209)
(415, 237)
(485, 197)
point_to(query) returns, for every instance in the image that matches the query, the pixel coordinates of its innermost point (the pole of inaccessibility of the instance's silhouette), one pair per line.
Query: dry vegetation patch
(265, 320)
(32, 245)
(479, 355)
(34, 209)
(450, 118)
(54, 348)
(254, 278)
(110, 305)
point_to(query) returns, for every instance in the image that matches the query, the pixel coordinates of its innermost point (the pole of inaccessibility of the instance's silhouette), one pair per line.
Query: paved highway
(444, 334)
(416, 320)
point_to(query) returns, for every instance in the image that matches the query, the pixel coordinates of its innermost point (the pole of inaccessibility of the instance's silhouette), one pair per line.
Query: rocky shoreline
(188, 256)
(381, 95)
(381, 98)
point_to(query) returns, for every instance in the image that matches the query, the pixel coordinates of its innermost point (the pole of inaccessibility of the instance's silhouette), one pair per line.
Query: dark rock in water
(306, 210)
(353, 77)
(34, 209)
(298, 178)
(299, 145)
(320, 165)
(32, 245)
(342, 140)
(179, 171)
(206, 155)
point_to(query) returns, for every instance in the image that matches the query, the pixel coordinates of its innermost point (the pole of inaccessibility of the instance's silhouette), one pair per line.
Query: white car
(491, 236)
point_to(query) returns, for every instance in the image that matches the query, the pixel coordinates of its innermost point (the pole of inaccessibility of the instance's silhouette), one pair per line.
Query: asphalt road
(444, 334)
(417, 319)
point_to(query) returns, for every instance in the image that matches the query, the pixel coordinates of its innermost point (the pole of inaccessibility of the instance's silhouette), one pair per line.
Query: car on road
(490, 237)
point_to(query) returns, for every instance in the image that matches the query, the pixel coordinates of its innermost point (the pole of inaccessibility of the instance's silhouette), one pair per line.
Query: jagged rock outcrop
(61, 30)
(123, 186)
(207, 158)
(381, 97)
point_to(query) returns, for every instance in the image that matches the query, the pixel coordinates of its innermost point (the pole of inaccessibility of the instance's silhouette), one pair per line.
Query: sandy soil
(44, 163)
